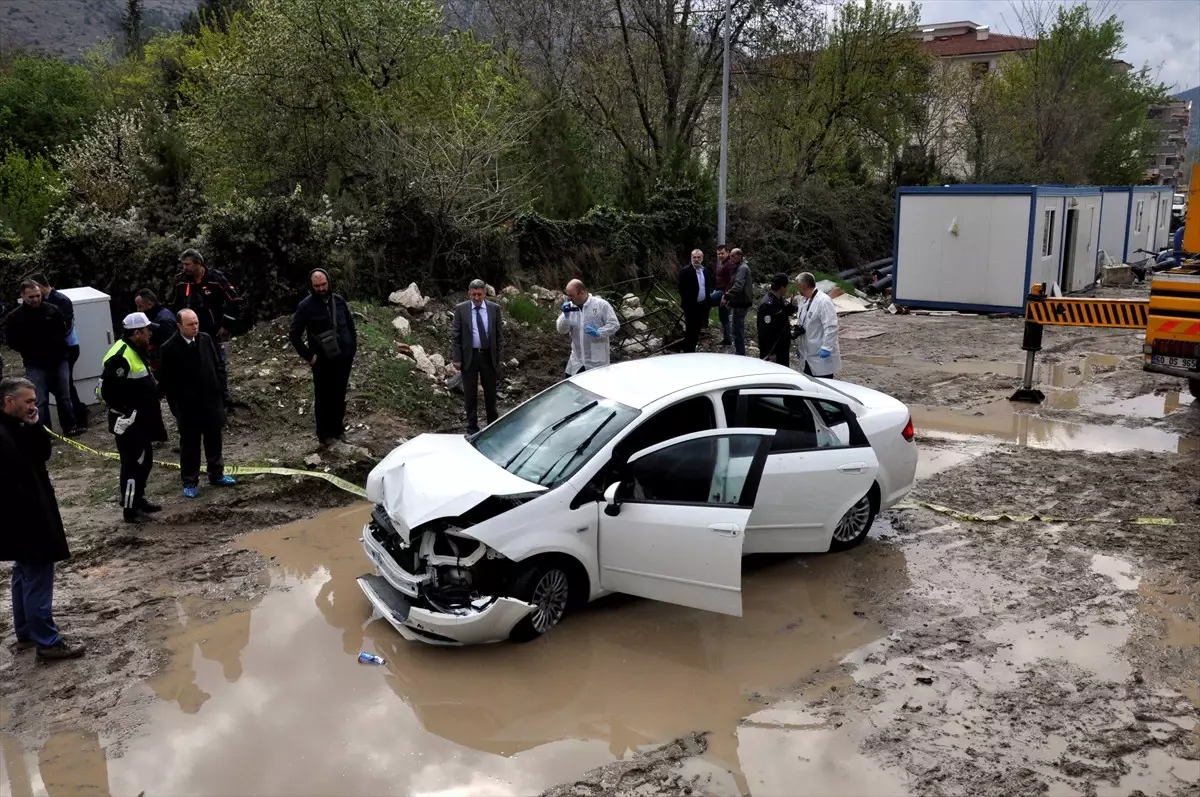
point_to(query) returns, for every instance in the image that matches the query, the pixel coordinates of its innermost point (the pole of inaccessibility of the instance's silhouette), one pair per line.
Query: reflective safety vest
(137, 367)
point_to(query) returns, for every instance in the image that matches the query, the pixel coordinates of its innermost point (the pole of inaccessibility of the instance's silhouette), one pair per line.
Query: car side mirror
(613, 506)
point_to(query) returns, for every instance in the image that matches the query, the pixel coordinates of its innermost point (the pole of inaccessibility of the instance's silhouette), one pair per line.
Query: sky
(1165, 34)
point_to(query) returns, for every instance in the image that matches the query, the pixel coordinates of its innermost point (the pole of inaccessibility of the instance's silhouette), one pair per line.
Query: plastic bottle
(369, 658)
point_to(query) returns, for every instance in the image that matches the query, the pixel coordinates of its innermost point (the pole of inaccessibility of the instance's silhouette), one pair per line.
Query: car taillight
(909, 433)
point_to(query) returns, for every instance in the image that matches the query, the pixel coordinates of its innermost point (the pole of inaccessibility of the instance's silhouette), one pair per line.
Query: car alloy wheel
(855, 522)
(550, 599)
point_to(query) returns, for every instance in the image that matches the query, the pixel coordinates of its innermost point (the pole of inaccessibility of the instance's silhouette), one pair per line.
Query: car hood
(435, 476)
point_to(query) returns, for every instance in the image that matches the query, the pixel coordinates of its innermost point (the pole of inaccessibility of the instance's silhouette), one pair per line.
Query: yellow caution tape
(233, 470)
(970, 518)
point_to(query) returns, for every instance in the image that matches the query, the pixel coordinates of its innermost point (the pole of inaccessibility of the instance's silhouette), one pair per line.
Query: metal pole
(721, 179)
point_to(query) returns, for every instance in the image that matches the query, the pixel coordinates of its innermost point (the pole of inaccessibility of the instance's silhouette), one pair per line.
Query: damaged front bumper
(396, 595)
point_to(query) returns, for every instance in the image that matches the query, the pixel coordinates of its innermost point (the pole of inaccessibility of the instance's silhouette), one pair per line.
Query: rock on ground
(409, 298)
(402, 325)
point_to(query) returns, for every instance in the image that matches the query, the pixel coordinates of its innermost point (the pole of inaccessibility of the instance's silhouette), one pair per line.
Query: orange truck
(1173, 327)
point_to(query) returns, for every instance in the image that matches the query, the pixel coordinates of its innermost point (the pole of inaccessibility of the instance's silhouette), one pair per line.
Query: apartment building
(963, 50)
(1167, 160)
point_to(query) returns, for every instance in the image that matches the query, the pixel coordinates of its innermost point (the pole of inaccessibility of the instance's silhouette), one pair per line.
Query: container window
(1048, 233)
(1137, 216)
(1162, 215)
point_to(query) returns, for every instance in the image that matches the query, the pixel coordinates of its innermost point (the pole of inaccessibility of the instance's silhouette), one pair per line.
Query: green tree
(819, 96)
(30, 189)
(131, 29)
(1070, 111)
(44, 103)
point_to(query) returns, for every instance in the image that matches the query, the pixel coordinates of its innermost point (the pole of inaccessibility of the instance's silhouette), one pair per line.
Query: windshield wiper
(542, 435)
(587, 441)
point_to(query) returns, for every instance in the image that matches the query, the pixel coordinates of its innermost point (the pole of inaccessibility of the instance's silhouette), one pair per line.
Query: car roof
(638, 383)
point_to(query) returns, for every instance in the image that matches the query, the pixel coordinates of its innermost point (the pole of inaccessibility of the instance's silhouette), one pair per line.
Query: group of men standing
(162, 354)
(730, 289)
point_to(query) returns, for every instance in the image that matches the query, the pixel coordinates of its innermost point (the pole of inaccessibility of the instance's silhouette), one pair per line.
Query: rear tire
(1194, 387)
(549, 586)
(852, 529)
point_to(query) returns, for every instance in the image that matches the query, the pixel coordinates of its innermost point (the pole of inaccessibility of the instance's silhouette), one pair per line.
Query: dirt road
(943, 656)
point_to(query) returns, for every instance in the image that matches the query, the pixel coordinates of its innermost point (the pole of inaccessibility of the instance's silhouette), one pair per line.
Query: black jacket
(64, 305)
(124, 393)
(192, 375)
(689, 290)
(39, 334)
(213, 299)
(741, 287)
(316, 314)
(167, 325)
(32, 531)
(774, 329)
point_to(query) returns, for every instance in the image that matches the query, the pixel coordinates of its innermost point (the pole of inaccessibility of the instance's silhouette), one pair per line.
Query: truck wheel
(1194, 387)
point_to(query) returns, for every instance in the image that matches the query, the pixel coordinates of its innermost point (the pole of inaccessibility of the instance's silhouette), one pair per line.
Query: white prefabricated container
(94, 327)
(1148, 224)
(980, 247)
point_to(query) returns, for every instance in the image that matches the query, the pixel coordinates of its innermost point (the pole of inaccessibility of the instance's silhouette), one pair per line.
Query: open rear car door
(672, 528)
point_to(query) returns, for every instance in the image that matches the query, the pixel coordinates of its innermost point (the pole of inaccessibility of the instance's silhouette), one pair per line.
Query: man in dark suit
(696, 288)
(477, 347)
(191, 373)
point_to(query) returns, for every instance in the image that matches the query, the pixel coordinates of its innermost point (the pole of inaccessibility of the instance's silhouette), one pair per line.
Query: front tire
(549, 587)
(852, 529)
(1194, 387)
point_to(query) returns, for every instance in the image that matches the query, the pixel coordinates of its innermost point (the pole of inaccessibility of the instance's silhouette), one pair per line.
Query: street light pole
(722, 168)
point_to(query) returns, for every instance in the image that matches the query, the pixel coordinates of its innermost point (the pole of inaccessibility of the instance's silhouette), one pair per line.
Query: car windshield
(549, 437)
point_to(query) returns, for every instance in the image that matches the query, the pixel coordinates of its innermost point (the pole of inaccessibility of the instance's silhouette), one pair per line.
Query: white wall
(1113, 214)
(1047, 248)
(1083, 271)
(983, 264)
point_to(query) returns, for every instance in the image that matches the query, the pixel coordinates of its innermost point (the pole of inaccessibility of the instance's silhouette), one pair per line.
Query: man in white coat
(591, 322)
(817, 330)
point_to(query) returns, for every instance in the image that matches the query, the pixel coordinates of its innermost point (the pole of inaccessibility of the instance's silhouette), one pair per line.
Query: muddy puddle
(1014, 423)
(267, 697)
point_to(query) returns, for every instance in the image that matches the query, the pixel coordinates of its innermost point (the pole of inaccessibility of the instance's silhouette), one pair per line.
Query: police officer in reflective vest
(134, 413)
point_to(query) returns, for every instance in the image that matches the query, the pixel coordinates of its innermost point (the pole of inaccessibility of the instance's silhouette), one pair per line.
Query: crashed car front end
(437, 585)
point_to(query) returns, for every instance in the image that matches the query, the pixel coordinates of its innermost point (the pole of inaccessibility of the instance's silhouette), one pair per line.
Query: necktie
(479, 326)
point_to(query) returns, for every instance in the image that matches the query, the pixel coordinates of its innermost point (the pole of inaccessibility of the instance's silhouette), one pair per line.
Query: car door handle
(853, 467)
(727, 529)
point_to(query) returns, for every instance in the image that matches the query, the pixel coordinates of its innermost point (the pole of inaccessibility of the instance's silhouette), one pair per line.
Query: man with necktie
(477, 348)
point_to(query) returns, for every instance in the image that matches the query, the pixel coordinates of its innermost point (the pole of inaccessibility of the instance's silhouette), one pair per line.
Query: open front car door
(672, 528)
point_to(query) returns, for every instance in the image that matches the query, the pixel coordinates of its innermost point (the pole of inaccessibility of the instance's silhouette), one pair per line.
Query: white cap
(138, 321)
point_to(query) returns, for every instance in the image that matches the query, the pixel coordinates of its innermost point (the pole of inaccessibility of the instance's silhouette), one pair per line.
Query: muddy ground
(943, 656)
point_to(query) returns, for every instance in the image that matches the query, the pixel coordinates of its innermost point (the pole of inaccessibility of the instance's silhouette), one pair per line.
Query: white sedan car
(651, 478)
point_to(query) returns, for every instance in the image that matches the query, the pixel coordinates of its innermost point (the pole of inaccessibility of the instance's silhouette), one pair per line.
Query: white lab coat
(818, 316)
(587, 351)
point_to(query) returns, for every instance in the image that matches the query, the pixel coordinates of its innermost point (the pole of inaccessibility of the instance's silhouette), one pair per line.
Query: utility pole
(723, 167)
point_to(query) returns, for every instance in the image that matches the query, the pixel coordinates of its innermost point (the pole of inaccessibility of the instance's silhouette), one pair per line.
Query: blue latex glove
(568, 306)
(595, 333)
(825, 354)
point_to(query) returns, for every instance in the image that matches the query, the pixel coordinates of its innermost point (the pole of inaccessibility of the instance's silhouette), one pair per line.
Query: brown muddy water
(1009, 422)
(1059, 375)
(268, 698)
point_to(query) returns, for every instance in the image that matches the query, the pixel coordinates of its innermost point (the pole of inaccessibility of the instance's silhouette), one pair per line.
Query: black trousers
(693, 323)
(137, 457)
(193, 432)
(81, 410)
(480, 370)
(780, 347)
(330, 380)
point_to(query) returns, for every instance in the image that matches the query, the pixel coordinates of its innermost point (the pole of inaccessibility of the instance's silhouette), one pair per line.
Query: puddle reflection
(270, 699)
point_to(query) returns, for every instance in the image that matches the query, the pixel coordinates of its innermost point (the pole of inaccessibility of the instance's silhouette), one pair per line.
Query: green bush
(30, 189)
